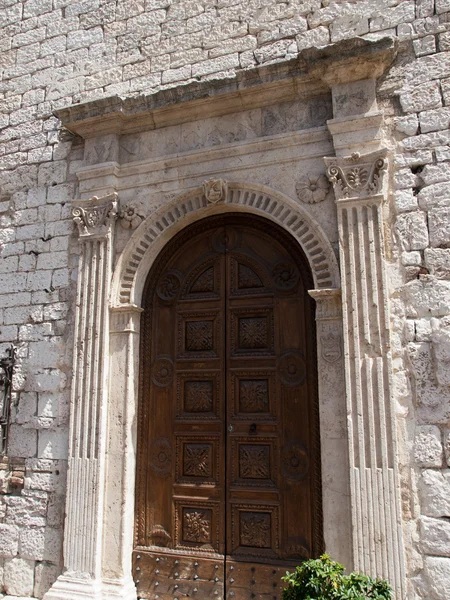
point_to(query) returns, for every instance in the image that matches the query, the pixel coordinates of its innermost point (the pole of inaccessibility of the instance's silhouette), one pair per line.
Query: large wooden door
(228, 477)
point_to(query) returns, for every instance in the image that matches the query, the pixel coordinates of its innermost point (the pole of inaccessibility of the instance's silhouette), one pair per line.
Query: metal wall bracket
(6, 374)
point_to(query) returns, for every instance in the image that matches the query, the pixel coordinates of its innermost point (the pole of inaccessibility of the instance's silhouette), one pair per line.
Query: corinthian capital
(95, 216)
(357, 176)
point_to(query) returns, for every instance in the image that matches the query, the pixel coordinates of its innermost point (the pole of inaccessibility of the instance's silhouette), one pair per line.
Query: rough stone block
(53, 444)
(390, 17)
(439, 225)
(412, 230)
(425, 45)
(9, 540)
(421, 97)
(411, 259)
(435, 173)
(437, 261)
(22, 443)
(434, 195)
(26, 511)
(427, 297)
(428, 451)
(44, 575)
(435, 536)
(27, 407)
(407, 125)
(434, 487)
(45, 482)
(84, 38)
(435, 120)
(442, 6)
(19, 577)
(437, 571)
(43, 543)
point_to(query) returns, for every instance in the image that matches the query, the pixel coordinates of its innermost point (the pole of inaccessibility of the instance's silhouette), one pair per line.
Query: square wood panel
(197, 459)
(199, 335)
(197, 396)
(196, 525)
(255, 530)
(254, 462)
(253, 396)
(252, 332)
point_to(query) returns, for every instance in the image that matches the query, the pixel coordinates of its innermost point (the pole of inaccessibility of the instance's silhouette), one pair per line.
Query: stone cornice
(310, 74)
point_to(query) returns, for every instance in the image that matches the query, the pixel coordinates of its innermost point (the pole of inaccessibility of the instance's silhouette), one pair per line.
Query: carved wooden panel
(198, 335)
(255, 530)
(253, 396)
(197, 396)
(197, 525)
(252, 331)
(254, 462)
(203, 281)
(228, 472)
(197, 459)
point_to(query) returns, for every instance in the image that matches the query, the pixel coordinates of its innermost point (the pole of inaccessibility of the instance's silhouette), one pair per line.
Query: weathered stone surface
(439, 225)
(437, 261)
(427, 297)
(19, 577)
(435, 536)
(434, 489)
(437, 571)
(412, 230)
(9, 538)
(428, 446)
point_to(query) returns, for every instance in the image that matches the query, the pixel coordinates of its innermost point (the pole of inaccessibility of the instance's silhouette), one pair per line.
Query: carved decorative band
(357, 176)
(320, 256)
(95, 216)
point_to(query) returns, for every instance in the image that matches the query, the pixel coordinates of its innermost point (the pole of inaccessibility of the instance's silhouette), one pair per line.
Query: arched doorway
(228, 473)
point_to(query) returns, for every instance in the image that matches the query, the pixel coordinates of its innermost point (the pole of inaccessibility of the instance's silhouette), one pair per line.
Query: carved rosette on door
(228, 484)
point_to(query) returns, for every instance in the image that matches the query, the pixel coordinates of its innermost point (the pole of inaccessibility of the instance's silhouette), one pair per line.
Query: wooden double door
(228, 474)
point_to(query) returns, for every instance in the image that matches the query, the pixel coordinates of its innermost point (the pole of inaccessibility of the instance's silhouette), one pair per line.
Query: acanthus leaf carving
(94, 218)
(357, 176)
(215, 190)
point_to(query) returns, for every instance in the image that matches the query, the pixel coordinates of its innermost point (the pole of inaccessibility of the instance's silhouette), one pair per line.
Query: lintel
(312, 73)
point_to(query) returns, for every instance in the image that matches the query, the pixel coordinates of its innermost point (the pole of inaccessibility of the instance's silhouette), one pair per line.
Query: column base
(68, 587)
(119, 588)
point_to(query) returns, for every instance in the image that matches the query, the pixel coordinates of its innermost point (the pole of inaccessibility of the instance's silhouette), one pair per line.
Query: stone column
(333, 425)
(121, 452)
(87, 444)
(359, 186)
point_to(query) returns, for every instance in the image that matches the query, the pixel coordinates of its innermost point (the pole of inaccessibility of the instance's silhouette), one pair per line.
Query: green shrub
(324, 579)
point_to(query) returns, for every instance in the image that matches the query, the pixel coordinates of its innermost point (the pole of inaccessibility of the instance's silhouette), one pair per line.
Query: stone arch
(159, 227)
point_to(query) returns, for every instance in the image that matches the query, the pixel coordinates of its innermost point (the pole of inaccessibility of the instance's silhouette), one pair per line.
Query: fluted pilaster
(359, 185)
(85, 481)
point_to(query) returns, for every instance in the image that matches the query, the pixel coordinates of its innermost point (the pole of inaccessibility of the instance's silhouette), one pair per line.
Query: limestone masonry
(122, 121)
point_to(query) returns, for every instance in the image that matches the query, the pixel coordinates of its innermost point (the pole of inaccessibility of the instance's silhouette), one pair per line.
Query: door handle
(252, 428)
(230, 428)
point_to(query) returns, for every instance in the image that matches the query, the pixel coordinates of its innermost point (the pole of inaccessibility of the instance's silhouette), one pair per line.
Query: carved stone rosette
(375, 501)
(357, 176)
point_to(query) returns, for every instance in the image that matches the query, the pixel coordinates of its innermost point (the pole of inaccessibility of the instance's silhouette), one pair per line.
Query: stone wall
(56, 53)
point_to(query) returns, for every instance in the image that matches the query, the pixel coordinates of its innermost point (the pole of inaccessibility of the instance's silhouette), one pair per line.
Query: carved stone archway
(163, 224)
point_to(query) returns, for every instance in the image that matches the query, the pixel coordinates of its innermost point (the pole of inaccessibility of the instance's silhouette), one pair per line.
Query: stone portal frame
(361, 499)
